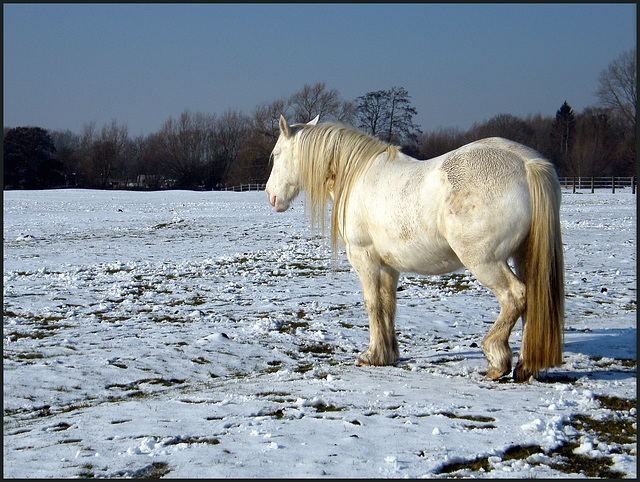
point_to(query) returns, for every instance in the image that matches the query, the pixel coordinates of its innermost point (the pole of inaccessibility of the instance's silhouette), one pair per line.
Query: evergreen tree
(563, 132)
(29, 161)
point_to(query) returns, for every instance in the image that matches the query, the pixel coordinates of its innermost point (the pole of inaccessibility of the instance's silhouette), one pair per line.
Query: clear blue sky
(66, 65)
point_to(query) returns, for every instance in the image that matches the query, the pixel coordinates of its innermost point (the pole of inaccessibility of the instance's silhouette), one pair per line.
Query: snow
(201, 334)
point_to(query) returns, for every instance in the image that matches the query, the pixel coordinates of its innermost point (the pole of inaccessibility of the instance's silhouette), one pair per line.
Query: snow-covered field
(200, 334)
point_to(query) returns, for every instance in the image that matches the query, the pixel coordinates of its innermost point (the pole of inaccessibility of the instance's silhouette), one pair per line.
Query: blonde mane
(332, 157)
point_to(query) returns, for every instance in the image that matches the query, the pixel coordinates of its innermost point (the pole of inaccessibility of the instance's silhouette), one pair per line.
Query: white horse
(478, 206)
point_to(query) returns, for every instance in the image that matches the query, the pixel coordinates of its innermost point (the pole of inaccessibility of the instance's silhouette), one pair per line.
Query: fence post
(574, 184)
(592, 191)
(633, 184)
(613, 184)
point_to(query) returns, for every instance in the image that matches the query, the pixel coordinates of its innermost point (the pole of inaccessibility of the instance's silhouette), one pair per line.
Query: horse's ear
(314, 121)
(284, 128)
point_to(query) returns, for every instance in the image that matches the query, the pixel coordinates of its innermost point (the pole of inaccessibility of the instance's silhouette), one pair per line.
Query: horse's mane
(333, 157)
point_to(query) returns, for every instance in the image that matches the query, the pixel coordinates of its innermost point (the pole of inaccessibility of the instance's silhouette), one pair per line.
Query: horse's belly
(418, 258)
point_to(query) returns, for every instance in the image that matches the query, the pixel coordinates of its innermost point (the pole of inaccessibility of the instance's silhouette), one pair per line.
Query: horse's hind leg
(379, 286)
(510, 292)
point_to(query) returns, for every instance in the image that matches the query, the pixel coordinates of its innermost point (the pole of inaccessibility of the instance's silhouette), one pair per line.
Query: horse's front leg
(379, 286)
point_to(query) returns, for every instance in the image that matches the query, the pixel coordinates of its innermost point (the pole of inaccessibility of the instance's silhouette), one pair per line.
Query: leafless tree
(318, 100)
(503, 125)
(617, 89)
(68, 153)
(103, 152)
(228, 136)
(441, 141)
(371, 111)
(388, 115)
(184, 145)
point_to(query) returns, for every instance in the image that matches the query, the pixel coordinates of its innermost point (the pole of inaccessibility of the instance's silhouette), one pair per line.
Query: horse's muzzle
(276, 203)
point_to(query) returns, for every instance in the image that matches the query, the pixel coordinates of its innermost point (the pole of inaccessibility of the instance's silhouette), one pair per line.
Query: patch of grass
(521, 452)
(277, 414)
(473, 418)
(29, 356)
(322, 407)
(290, 327)
(617, 430)
(488, 426)
(450, 284)
(318, 349)
(118, 364)
(86, 471)
(70, 441)
(273, 367)
(567, 462)
(60, 427)
(475, 465)
(625, 362)
(150, 381)
(200, 360)
(156, 470)
(615, 403)
(303, 368)
(191, 440)
(582, 464)
(610, 431)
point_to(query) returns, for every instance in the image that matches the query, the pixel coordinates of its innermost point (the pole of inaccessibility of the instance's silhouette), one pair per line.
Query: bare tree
(151, 170)
(264, 122)
(371, 111)
(388, 115)
(103, 152)
(68, 153)
(503, 125)
(317, 100)
(617, 90)
(593, 153)
(400, 126)
(184, 147)
(440, 142)
(228, 136)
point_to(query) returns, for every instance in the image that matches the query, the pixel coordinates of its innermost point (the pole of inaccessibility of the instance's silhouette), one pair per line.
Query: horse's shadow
(611, 356)
(616, 343)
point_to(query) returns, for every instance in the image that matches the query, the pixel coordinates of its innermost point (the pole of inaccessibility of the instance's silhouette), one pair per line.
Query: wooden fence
(574, 183)
(592, 183)
(256, 186)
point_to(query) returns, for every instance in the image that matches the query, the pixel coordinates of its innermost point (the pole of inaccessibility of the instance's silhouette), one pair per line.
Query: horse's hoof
(494, 374)
(366, 359)
(522, 374)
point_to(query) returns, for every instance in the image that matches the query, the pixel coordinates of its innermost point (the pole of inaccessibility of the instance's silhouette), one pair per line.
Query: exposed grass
(155, 470)
(581, 464)
(318, 349)
(303, 368)
(473, 418)
(451, 284)
(191, 440)
(290, 326)
(135, 386)
(323, 407)
(620, 430)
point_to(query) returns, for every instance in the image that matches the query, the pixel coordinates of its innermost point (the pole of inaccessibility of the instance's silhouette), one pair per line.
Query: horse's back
(487, 206)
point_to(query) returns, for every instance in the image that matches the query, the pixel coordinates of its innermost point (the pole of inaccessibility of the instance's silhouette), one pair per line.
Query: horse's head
(284, 182)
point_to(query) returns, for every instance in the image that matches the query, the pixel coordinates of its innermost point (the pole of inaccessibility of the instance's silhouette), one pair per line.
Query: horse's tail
(543, 320)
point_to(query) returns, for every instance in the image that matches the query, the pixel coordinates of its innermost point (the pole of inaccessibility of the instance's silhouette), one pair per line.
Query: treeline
(208, 151)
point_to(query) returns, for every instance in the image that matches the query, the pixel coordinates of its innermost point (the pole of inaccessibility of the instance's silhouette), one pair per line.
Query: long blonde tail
(543, 332)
